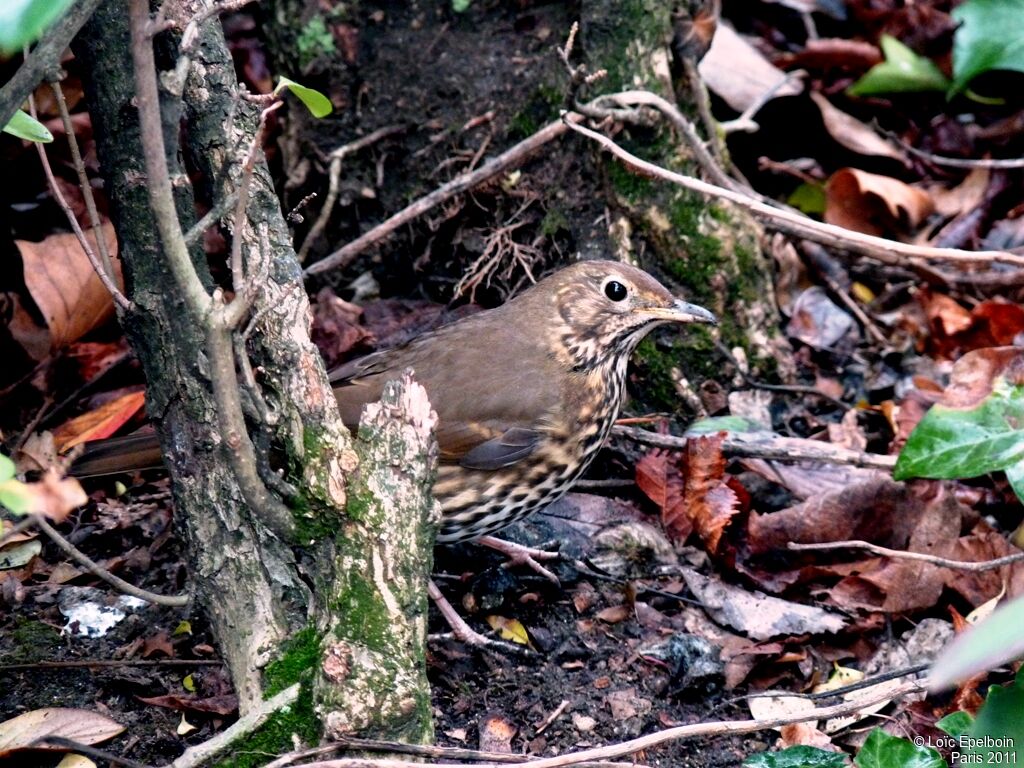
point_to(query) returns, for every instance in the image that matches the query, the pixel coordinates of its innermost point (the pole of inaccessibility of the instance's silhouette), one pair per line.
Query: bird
(526, 393)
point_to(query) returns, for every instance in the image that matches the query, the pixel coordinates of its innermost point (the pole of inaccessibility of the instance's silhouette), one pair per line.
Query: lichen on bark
(372, 675)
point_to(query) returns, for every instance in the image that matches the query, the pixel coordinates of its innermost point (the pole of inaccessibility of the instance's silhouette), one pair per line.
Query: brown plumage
(525, 393)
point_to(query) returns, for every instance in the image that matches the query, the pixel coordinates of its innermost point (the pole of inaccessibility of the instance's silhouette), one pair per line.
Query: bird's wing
(476, 428)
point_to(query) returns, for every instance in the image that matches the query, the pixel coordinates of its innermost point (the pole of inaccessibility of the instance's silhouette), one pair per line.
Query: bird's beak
(681, 312)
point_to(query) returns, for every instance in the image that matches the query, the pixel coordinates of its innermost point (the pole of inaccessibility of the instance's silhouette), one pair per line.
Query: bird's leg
(518, 554)
(462, 631)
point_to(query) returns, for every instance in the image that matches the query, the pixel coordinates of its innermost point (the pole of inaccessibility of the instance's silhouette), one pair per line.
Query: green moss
(32, 641)
(296, 662)
(357, 597)
(553, 223)
(314, 41)
(633, 189)
(540, 109)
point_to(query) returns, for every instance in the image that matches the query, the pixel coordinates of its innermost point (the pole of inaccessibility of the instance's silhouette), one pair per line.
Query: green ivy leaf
(797, 757)
(884, 751)
(318, 104)
(715, 424)
(23, 21)
(999, 726)
(951, 443)
(955, 724)
(808, 198)
(24, 126)
(461, 6)
(7, 469)
(17, 497)
(990, 36)
(902, 71)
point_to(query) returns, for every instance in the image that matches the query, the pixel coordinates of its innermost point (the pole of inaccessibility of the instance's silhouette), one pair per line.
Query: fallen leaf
(496, 734)
(817, 320)
(659, 478)
(100, 423)
(81, 725)
(873, 204)
(614, 614)
(64, 286)
(509, 629)
(213, 705)
(735, 70)
(758, 615)
(853, 134)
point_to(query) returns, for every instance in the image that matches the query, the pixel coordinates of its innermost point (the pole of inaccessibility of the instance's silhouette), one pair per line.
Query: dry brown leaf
(873, 204)
(658, 476)
(852, 133)
(61, 281)
(735, 70)
(496, 733)
(98, 424)
(964, 197)
(79, 725)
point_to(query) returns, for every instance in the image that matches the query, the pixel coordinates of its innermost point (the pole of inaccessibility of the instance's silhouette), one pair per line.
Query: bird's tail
(118, 454)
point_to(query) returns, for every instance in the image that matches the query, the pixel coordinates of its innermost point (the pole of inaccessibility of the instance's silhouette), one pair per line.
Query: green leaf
(714, 424)
(23, 21)
(902, 71)
(998, 730)
(990, 36)
(884, 751)
(987, 645)
(318, 104)
(24, 126)
(808, 198)
(797, 757)
(7, 469)
(955, 724)
(951, 443)
(17, 497)
(461, 6)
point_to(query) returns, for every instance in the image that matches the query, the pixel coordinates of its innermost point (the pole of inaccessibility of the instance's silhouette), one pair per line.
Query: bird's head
(604, 308)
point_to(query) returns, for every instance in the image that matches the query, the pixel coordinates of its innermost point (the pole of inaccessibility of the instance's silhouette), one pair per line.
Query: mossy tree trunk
(710, 249)
(269, 597)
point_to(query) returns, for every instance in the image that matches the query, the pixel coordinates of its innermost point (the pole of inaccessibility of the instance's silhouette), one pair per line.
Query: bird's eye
(615, 290)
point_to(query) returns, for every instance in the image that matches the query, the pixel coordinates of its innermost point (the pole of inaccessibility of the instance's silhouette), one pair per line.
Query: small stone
(583, 723)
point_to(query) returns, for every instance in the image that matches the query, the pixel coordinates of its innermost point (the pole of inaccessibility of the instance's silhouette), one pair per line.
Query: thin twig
(878, 248)
(212, 216)
(508, 159)
(85, 749)
(200, 753)
(174, 601)
(678, 733)
(104, 276)
(766, 445)
(112, 664)
(420, 750)
(334, 181)
(83, 177)
(943, 562)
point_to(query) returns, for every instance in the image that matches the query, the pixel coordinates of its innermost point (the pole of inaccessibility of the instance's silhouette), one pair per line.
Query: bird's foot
(519, 554)
(463, 632)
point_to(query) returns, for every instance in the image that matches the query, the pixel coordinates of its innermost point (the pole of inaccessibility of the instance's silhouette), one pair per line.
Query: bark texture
(372, 677)
(710, 249)
(271, 602)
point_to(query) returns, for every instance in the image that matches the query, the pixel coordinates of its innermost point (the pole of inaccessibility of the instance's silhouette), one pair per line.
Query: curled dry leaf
(81, 725)
(98, 424)
(852, 133)
(737, 72)
(69, 295)
(817, 320)
(873, 204)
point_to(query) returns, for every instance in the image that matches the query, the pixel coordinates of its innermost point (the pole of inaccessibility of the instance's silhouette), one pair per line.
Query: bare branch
(943, 562)
(99, 571)
(797, 225)
(766, 445)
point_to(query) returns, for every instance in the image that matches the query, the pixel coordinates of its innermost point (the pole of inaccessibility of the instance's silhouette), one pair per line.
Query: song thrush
(525, 393)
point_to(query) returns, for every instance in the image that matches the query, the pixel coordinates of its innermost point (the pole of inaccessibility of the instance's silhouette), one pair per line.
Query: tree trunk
(275, 602)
